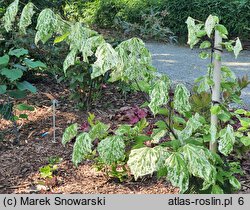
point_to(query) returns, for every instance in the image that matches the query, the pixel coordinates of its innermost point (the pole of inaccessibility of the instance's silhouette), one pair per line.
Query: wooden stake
(217, 83)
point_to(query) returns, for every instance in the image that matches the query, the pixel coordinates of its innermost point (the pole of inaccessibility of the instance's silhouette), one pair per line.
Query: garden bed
(19, 172)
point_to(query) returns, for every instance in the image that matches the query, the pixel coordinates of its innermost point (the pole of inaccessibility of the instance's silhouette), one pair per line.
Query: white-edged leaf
(26, 16)
(226, 140)
(199, 162)
(181, 99)
(177, 171)
(146, 160)
(210, 24)
(10, 15)
(107, 59)
(237, 47)
(82, 148)
(159, 94)
(69, 133)
(111, 149)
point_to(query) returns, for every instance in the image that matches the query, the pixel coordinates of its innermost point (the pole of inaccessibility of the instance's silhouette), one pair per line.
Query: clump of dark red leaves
(85, 126)
(131, 115)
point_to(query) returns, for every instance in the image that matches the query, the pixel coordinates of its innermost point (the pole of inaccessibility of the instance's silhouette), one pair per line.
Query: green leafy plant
(14, 65)
(176, 147)
(49, 170)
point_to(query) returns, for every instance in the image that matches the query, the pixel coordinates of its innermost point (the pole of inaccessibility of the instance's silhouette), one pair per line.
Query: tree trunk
(217, 83)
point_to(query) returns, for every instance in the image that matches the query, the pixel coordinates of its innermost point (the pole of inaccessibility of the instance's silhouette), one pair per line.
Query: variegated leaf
(226, 140)
(177, 171)
(107, 59)
(82, 148)
(25, 19)
(192, 125)
(111, 149)
(89, 46)
(100, 131)
(181, 99)
(10, 15)
(146, 160)
(237, 47)
(69, 133)
(135, 62)
(69, 60)
(78, 35)
(199, 162)
(46, 25)
(210, 24)
(159, 94)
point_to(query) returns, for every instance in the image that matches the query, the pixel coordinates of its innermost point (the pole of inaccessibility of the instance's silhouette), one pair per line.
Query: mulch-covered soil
(19, 165)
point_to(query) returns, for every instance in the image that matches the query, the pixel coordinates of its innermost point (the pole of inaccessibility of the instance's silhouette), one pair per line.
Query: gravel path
(182, 64)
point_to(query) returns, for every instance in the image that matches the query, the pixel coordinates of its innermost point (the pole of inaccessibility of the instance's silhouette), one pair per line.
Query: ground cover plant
(176, 145)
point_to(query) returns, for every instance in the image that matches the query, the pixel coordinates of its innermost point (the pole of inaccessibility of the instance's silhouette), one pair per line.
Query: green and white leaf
(181, 99)
(145, 160)
(46, 25)
(82, 148)
(177, 171)
(111, 149)
(69, 60)
(100, 131)
(78, 35)
(222, 30)
(244, 139)
(192, 125)
(135, 62)
(226, 140)
(10, 15)
(12, 74)
(159, 94)
(69, 133)
(234, 182)
(210, 24)
(237, 47)
(90, 45)
(205, 45)
(107, 59)
(26, 16)
(216, 189)
(198, 162)
(193, 31)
